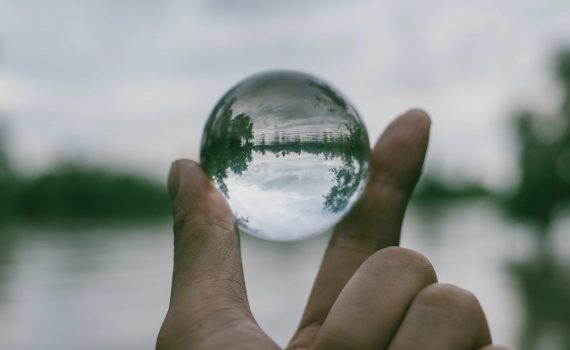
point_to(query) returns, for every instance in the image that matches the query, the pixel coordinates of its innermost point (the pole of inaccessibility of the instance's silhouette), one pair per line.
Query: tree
(544, 160)
(544, 163)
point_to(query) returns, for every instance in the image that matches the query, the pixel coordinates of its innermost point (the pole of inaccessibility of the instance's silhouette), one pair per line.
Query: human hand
(368, 294)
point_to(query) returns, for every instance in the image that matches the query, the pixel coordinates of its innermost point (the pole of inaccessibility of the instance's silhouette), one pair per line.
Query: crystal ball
(289, 153)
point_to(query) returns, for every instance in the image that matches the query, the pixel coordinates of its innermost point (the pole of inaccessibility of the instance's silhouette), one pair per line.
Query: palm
(365, 296)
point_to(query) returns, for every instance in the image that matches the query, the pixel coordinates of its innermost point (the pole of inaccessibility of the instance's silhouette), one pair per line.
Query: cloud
(80, 71)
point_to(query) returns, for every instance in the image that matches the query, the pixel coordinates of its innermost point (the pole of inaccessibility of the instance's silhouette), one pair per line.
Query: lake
(108, 288)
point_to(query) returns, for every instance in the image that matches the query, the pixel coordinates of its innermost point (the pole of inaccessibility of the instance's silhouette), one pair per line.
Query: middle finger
(373, 303)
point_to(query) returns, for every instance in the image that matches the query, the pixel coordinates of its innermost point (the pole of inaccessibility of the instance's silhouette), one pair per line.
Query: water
(284, 148)
(109, 288)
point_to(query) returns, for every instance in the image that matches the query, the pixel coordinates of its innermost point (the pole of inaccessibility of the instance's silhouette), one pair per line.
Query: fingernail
(174, 179)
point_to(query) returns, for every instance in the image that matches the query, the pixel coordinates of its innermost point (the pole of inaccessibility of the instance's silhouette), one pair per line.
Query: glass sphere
(288, 152)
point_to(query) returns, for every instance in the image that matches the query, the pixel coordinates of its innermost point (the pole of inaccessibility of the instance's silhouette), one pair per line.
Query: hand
(369, 293)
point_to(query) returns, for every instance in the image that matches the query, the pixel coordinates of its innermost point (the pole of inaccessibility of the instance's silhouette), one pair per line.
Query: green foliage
(434, 189)
(544, 159)
(544, 162)
(229, 148)
(73, 192)
(10, 187)
(10, 191)
(76, 193)
(545, 293)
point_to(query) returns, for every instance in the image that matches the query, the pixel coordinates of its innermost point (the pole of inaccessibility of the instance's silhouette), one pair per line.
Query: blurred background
(98, 97)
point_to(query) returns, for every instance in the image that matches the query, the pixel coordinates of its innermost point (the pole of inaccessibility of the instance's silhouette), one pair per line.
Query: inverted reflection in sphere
(288, 152)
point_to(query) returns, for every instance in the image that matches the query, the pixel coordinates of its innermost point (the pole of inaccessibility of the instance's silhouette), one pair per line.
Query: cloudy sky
(130, 83)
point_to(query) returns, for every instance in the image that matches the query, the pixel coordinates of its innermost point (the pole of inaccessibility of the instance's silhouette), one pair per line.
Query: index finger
(375, 220)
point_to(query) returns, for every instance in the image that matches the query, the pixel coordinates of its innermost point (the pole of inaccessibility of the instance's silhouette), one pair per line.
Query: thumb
(208, 271)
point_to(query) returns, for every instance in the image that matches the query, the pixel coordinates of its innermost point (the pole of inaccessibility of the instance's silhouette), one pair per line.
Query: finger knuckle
(180, 218)
(450, 298)
(195, 216)
(406, 260)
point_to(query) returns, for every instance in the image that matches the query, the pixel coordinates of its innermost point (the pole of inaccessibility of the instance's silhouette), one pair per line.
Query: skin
(368, 294)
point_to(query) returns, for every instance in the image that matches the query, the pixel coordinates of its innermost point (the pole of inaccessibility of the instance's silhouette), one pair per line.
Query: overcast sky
(130, 83)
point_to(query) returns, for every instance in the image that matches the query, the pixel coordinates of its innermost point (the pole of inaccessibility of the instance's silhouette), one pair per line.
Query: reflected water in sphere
(289, 153)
